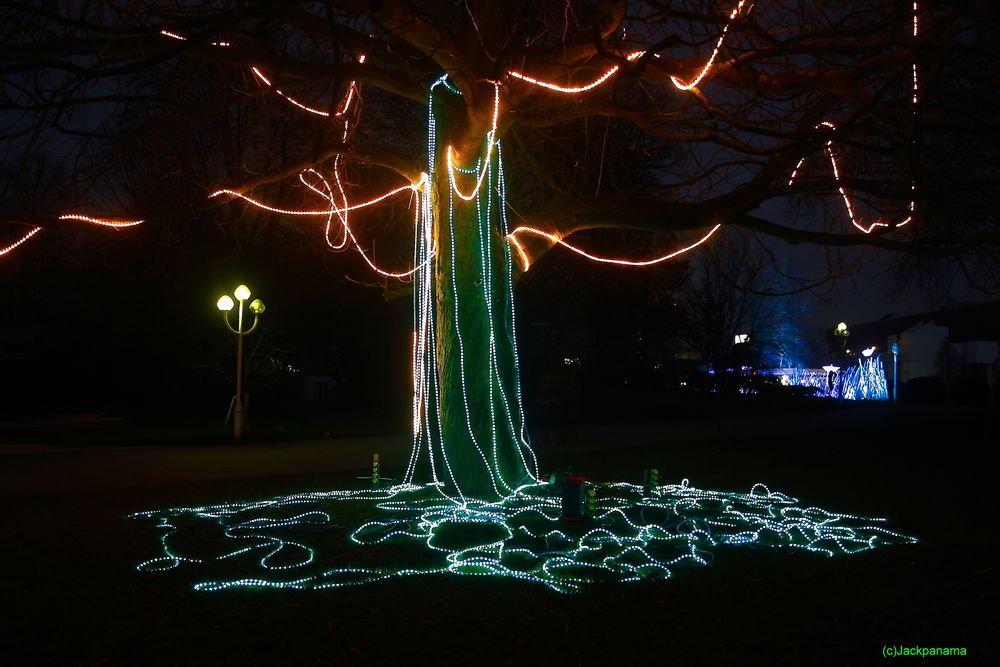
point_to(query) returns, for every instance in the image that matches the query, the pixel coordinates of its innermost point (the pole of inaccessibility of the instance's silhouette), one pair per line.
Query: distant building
(959, 347)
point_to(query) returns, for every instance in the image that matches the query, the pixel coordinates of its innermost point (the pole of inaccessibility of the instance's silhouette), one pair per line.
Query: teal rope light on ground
(634, 534)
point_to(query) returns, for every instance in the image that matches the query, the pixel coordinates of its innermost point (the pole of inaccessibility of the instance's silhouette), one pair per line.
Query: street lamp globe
(226, 305)
(842, 327)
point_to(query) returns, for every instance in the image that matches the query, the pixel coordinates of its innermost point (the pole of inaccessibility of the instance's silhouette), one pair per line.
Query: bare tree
(738, 307)
(682, 117)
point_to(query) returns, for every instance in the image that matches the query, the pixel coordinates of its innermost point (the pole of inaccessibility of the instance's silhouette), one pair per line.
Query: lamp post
(225, 304)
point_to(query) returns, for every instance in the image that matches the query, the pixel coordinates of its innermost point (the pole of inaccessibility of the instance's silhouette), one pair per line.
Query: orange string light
(267, 82)
(345, 131)
(341, 209)
(323, 212)
(104, 222)
(604, 260)
(845, 198)
(333, 209)
(182, 38)
(329, 219)
(418, 209)
(574, 89)
(680, 85)
(17, 243)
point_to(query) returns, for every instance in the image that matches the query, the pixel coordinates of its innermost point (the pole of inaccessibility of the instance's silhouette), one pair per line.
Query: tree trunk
(468, 419)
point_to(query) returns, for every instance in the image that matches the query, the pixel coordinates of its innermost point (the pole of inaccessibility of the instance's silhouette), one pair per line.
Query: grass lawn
(74, 597)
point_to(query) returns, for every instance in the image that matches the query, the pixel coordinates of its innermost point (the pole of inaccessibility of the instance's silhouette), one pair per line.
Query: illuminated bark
(469, 432)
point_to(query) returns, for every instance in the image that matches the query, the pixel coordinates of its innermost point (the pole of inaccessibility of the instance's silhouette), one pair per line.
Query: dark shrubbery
(924, 390)
(970, 390)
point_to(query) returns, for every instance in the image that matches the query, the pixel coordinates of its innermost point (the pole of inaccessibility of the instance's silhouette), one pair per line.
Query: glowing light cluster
(803, 377)
(865, 381)
(633, 534)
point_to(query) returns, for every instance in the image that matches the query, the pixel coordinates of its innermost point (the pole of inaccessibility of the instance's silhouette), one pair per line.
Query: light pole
(225, 304)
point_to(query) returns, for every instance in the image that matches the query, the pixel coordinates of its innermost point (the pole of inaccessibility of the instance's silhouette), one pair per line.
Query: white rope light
(633, 535)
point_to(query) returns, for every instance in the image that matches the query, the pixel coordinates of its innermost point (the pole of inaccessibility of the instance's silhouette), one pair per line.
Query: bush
(970, 390)
(924, 390)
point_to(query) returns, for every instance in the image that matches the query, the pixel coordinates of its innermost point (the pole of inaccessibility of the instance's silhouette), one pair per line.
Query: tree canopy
(878, 117)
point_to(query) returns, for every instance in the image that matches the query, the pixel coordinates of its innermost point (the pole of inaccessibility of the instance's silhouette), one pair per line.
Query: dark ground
(73, 597)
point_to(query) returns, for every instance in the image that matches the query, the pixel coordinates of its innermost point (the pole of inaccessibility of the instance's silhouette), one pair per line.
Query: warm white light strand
(524, 229)
(845, 198)
(307, 212)
(680, 85)
(104, 222)
(418, 208)
(677, 82)
(305, 107)
(20, 241)
(574, 89)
